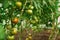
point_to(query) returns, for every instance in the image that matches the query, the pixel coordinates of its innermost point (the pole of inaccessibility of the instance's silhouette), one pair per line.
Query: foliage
(43, 12)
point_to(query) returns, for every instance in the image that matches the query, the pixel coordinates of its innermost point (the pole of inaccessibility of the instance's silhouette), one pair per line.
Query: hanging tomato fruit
(15, 20)
(14, 31)
(31, 7)
(10, 37)
(18, 4)
(29, 11)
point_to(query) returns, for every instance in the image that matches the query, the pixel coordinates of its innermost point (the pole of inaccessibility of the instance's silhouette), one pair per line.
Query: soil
(43, 35)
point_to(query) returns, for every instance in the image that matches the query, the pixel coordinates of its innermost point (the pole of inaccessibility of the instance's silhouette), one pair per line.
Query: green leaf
(6, 4)
(2, 32)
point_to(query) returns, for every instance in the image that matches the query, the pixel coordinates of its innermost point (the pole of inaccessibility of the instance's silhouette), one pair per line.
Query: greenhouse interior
(29, 19)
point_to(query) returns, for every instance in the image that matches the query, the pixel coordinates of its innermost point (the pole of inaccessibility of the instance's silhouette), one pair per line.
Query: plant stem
(21, 22)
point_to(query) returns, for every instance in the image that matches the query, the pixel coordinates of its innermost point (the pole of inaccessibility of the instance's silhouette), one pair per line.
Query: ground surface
(44, 35)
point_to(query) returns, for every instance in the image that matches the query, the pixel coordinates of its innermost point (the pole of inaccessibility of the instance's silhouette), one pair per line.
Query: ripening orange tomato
(15, 20)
